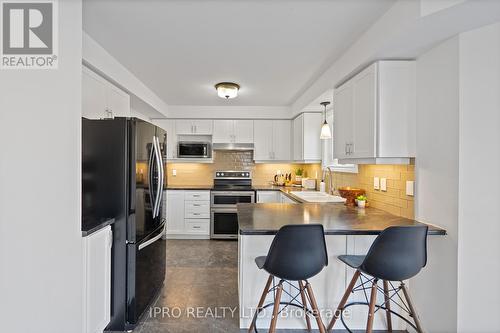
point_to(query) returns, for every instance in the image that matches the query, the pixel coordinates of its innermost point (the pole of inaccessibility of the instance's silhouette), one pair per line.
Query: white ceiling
(274, 50)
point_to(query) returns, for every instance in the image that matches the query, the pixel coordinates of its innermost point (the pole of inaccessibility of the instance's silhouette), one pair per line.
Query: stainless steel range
(230, 188)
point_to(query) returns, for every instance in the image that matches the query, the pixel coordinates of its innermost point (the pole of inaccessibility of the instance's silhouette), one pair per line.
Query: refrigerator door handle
(151, 241)
(160, 176)
(150, 178)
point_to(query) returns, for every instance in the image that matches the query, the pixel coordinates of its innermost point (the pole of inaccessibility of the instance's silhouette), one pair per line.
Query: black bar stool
(297, 253)
(397, 254)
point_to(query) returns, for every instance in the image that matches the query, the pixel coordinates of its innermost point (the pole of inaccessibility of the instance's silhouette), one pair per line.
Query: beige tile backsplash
(394, 200)
(202, 174)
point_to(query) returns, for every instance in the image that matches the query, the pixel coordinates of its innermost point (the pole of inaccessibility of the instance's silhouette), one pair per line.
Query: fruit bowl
(350, 194)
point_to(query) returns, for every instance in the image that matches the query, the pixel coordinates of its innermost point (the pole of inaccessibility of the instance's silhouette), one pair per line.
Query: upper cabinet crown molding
(101, 99)
(375, 115)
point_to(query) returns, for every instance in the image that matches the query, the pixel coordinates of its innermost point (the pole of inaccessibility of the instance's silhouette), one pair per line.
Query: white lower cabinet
(97, 280)
(268, 197)
(188, 214)
(273, 197)
(285, 199)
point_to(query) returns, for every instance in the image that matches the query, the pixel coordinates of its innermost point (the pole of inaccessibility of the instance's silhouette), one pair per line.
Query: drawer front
(197, 209)
(197, 215)
(198, 226)
(197, 196)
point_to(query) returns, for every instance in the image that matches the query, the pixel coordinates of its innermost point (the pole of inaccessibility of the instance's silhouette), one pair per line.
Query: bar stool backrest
(397, 254)
(297, 252)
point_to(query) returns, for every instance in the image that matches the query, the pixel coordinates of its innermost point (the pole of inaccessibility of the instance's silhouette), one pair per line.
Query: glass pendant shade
(326, 133)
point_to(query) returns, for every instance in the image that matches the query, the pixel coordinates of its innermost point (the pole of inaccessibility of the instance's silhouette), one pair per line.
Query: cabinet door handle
(196, 227)
(195, 128)
(345, 149)
(196, 205)
(196, 214)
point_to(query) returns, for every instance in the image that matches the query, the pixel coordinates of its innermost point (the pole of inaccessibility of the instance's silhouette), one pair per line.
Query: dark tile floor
(201, 274)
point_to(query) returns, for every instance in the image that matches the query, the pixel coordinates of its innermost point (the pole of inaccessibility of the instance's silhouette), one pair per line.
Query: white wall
(435, 288)
(40, 237)
(479, 216)
(458, 158)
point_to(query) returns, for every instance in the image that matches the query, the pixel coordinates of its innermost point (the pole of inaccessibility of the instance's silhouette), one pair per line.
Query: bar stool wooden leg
(261, 302)
(371, 311)
(304, 302)
(387, 305)
(412, 308)
(315, 309)
(277, 300)
(344, 299)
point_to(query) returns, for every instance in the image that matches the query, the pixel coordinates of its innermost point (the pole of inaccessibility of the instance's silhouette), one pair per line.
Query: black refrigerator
(123, 176)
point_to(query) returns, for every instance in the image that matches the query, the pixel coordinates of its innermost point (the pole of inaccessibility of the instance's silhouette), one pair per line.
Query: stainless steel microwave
(189, 149)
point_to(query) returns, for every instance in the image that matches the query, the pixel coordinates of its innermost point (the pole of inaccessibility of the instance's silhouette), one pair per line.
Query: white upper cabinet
(243, 131)
(272, 140)
(101, 99)
(233, 131)
(375, 115)
(223, 131)
(282, 138)
(306, 137)
(168, 125)
(190, 127)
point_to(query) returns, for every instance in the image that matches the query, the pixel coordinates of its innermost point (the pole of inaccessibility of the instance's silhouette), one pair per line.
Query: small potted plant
(298, 175)
(361, 201)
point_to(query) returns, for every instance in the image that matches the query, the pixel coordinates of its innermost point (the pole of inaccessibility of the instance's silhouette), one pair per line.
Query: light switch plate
(174, 172)
(376, 183)
(410, 188)
(383, 184)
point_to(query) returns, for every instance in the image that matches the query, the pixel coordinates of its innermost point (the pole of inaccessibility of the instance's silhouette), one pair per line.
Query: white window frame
(328, 152)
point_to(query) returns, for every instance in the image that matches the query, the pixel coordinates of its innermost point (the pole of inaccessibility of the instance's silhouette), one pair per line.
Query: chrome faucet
(331, 188)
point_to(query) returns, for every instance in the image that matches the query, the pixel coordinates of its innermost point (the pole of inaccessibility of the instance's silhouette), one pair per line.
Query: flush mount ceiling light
(326, 133)
(227, 90)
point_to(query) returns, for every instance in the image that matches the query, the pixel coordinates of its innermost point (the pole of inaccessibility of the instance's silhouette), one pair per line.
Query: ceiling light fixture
(227, 90)
(326, 133)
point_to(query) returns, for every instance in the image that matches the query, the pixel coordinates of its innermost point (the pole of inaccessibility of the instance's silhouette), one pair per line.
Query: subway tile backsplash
(394, 200)
(202, 174)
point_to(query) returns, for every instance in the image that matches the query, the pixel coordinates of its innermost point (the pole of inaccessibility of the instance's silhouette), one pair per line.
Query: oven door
(224, 223)
(229, 199)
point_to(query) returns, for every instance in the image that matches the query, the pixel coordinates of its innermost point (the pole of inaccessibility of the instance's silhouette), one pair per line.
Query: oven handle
(223, 210)
(234, 193)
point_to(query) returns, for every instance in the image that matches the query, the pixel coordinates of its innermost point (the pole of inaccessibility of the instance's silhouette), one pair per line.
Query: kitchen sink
(315, 196)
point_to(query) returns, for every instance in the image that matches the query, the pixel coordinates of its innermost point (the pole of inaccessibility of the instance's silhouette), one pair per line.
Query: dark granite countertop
(285, 190)
(91, 225)
(189, 187)
(337, 219)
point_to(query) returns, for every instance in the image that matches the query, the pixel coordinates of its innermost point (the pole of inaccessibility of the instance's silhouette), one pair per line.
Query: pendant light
(326, 133)
(227, 90)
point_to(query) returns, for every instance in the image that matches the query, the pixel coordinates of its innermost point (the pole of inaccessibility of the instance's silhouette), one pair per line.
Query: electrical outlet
(383, 184)
(174, 172)
(410, 188)
(376, 183)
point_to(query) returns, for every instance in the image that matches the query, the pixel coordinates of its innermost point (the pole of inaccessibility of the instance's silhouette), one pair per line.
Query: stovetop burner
(233, 181)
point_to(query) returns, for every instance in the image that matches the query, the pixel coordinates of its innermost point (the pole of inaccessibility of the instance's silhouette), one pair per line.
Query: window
(328, 152)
